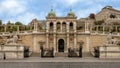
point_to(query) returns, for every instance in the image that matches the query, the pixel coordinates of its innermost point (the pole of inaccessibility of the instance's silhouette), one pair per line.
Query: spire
(51, 8)
(70, 9)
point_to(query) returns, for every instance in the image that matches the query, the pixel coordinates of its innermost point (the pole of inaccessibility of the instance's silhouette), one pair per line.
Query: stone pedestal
(11, 51)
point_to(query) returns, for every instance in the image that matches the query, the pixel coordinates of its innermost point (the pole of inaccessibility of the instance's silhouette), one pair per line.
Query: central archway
(60, 45)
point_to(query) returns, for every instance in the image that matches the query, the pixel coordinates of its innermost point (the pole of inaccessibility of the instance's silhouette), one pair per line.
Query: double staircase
(62, 54)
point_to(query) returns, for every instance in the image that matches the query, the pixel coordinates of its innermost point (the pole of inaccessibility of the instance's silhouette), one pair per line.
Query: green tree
(0, 22)
(9, 23)
(18, 23)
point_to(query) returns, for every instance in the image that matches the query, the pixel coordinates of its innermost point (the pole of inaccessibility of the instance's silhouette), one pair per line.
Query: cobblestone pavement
(61, 59)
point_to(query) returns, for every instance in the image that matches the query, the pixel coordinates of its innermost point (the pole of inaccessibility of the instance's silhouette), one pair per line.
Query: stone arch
(71, 25)
(51, 25)
(58, 26)
(64, 26)
(61, 45)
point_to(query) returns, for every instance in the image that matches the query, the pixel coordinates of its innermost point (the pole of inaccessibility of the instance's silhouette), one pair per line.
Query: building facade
(64, 32)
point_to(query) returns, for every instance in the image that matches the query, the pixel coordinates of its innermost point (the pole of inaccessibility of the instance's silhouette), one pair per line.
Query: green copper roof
(51, 13)
(71, 13)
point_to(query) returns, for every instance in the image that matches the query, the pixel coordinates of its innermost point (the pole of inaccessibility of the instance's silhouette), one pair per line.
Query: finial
(51, 8)
(70, 9)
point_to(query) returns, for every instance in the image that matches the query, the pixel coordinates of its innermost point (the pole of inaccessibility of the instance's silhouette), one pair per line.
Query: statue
(111, 40)
(12, 39)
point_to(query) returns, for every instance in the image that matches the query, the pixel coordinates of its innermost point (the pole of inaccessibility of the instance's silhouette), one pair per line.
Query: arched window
(64, 26)
(58, 26)
(71, 26)
(51, 25)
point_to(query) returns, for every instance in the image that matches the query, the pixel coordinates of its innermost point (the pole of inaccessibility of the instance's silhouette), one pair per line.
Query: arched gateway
(60, 45)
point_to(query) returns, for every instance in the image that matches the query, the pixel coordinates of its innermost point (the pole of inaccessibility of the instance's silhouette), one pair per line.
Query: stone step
(61, 54)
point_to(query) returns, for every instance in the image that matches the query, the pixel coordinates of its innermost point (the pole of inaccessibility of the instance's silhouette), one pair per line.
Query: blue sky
(26, 10)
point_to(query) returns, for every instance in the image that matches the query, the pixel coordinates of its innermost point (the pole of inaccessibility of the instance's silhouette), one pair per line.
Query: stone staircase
(61, 54)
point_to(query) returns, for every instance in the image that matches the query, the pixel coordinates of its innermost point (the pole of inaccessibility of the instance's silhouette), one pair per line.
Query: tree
(18, 23)
(9, 23)
(92, 16)
(0, 22)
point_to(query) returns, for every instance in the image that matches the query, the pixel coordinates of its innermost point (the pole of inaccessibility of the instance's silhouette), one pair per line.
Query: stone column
(34, 43)
(34, 25)
(86, 27)
(54, 27)
(87, 43)
(61, 27)
(75, 41)
(67, 26)
(68, 41)
(55, 42)
(47, 27)
(47, 41)
(74, 26)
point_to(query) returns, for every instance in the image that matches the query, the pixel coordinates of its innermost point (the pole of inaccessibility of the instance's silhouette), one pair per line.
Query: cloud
(26, 10)
(11, 7)
(26, 17)
(68, 2)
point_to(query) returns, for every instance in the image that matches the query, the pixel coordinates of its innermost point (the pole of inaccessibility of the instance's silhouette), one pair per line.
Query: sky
(26, 10)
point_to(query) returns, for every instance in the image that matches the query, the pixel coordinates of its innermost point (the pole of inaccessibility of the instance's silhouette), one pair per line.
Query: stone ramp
(87, 55)
(35, 55)
(61, 54)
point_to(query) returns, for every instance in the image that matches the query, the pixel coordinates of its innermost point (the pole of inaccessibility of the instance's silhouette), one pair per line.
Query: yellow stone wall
(94, 40)
(97, 40)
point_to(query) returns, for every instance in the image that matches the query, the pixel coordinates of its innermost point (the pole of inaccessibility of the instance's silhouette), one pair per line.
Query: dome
(71, 14)
(51, 13)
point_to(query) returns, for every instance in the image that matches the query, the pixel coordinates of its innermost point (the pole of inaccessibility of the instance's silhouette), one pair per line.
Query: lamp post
(41, 48)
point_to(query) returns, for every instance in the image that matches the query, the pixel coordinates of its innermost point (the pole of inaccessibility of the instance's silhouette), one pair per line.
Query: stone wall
(90, 41)
(33, 41)
(97, 40)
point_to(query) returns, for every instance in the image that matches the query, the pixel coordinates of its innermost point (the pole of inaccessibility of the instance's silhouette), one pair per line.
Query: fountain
(11, 49)
(108, 50)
